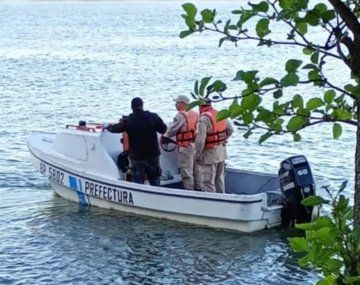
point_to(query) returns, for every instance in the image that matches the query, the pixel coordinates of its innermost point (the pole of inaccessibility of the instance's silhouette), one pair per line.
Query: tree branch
(347, 15)
(247, 37)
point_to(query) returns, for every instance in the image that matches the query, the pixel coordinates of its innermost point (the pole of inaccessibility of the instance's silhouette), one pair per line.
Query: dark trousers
(149, 167)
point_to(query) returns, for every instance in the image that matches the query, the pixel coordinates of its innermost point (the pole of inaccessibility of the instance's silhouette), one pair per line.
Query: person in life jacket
(184, 128)
(210, 148)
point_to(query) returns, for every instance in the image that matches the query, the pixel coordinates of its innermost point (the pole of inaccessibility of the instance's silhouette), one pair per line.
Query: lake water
(65, 61)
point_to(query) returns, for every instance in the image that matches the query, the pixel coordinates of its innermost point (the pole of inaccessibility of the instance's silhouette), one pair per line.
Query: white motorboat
(81, 165)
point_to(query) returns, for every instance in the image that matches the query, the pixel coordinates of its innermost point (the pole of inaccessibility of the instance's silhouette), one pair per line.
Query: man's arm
(179, 121)
(229, 129)
(201, 128)
(118, 128)
(160, 125)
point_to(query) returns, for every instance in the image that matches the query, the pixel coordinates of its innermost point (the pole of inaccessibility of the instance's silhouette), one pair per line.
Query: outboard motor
(296, 183)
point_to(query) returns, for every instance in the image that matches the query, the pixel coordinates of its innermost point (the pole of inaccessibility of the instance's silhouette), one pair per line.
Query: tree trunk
(355, 69)
(357, 168)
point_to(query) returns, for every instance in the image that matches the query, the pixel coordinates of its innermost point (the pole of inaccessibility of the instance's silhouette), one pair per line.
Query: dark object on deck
(297, 183)
(123, 161)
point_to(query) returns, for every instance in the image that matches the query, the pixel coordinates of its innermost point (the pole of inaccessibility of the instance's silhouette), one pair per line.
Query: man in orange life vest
(184, 127)
(210, 149)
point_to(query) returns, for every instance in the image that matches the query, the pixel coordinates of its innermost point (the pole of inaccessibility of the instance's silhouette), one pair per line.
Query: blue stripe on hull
(78, 189)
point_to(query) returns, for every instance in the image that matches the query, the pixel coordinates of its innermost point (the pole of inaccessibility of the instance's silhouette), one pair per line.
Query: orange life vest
(185, 138)
(125, 141)
(218, 134)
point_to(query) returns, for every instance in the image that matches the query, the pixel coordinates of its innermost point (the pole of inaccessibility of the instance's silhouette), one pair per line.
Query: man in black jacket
(142, 128)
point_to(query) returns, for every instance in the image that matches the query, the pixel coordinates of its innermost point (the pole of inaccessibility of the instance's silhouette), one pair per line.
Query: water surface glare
(65, 61)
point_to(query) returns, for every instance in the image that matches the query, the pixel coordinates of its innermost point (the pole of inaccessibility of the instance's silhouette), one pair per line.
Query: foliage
(255, 23)
(331, 243)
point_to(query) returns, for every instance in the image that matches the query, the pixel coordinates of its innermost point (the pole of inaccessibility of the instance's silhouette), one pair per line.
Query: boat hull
(224, 224)
(244, 213)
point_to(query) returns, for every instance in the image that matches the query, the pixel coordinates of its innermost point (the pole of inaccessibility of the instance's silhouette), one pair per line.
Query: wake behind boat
(81, 164)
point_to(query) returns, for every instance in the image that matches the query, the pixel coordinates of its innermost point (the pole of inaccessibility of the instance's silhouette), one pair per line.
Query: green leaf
(327, 280)
(278, 94)
(263, 115)
(203, 84)
(292, 65)
(297, 137)
(337, 130)
(268, 81)
(298, 244)
(321, 222)
(310, 66)
(251, 102)
(295, 123)
(190, 9)
(265, 137)
(302, 4)
(315, 57)
(221, 41)
(235, 109)
(351, 279)
(333, 265)
(247, 118)
(262, 28)
(303, 112)
(302, 27)
(297, 101)
(354, 90)
(196, 87)
(314, 103)
(245, 16)
(184, 34)
(329, 96)
(304, 261)
(285, 4)
(207, 16)
(262, 7)
(343, 186)
(247, 76)
(278, 125)
(190, 22)
(341, 114)
(222, 115)
(356, 235)
(311, 18)
(342, 203)
(320, 8)
(291, 79)
(219, 86)
(314, 201)
(194, 104)
(233, 27)
(315, 76)
(247, 134)
(328, 16)
(308, 51)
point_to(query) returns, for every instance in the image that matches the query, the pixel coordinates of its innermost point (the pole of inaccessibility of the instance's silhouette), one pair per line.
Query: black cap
(136, 103)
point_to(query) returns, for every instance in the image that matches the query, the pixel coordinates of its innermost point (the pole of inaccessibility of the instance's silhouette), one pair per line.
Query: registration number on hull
(55, 175)
(84, 186)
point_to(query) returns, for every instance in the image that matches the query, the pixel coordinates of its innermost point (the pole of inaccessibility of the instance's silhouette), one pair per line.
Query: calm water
(65, 61)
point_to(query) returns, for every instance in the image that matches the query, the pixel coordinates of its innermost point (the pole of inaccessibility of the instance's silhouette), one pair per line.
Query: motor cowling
(296, 183)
